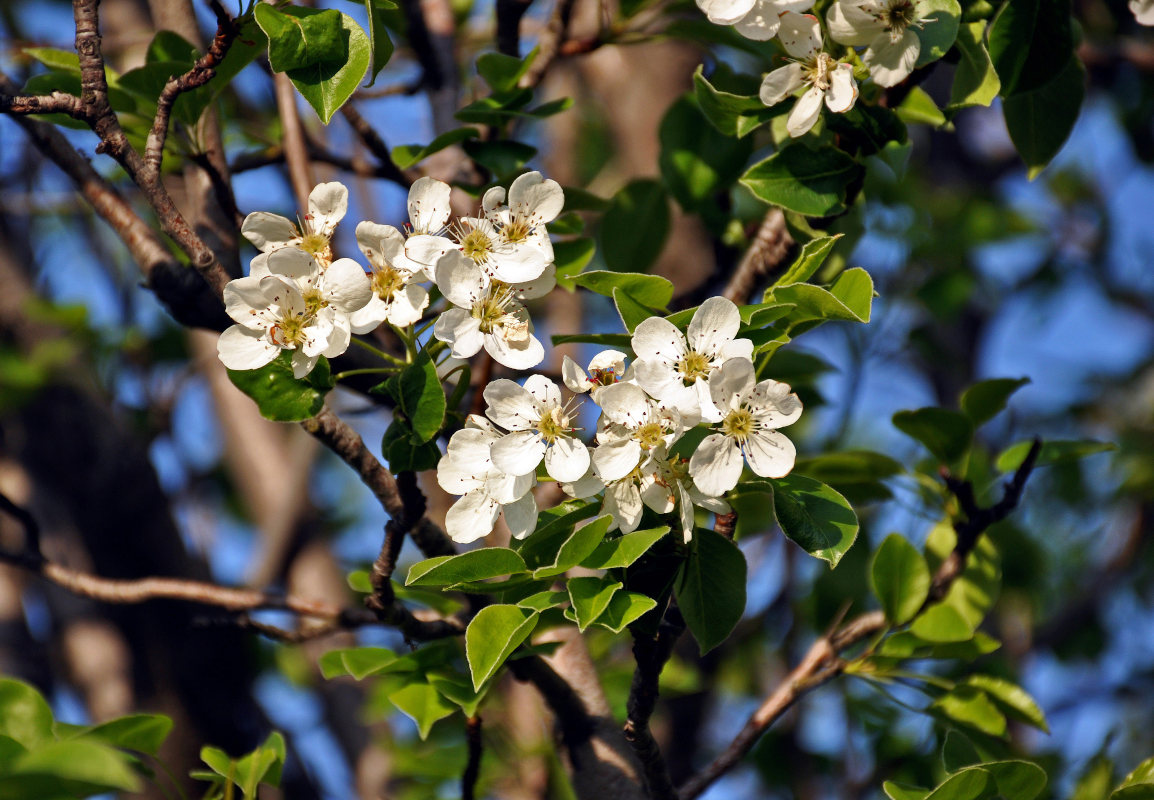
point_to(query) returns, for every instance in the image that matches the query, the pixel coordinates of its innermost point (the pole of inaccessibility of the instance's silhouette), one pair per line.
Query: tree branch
(549, 44)
(823, 661)
(509, 14)
(767, 251)
(651, 656)
(473, 766)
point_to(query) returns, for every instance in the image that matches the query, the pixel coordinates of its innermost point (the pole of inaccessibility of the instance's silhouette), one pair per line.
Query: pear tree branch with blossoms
(611, 501)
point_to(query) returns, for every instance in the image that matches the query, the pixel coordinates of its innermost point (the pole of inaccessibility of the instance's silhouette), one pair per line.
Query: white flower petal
(339, 338)
(518, 453)
(770, 454)
(585, 486)
(658, 496)
(293, 263)
(408, 306)
(1143, 11)
(574, 377)
(890, 61)
(303, 363)
(624, 404)
(429, 206)
(521, 516)
(534, 199)
(511, 406)
(347, 287)
(427, 250)
(566, 459)
(716, 464)
(714, 323)
(725, 12)
(328, 203)
(492, 200)
(268, 231)
(849, 23)
(773, 404)
(781, 83)
(544, 390)
(658, 339)
(472, 517)
(800, 34)
(525, 354)
(623, 502)
(459, 279)
(460, 331)
(738, 348)
(612, 461)
(240, 348)
(762, 21)
(730, 384)
(805, 112)
(244, 300)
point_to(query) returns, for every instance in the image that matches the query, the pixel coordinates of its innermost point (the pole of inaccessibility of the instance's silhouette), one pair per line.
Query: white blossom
(678, 370)
(888, 30)
(328, 203)
(632, 426)
(396, 295)
(467, 469)
(540, 427)
(1143, 11)
(291, 303)
(486, 314)
(605, 369)
(667, 485)
(753, 19)
(751, 416)
(828, 80)
(533, 202)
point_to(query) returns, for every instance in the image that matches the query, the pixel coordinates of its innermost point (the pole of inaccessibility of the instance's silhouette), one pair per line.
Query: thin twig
(549, 44)
(823, 661)
(509, 14)
(473, 765)
(766, 253)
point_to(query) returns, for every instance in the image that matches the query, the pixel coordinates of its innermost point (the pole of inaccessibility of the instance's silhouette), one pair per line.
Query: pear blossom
(1143, 11)
(539, 426)
(667, 485)
(467, 469)
(678, 369)
(622, 496)
(633, 425)
(486, 314)
(328, 203)
(533, 202)
(396, 296)
(752, 413)
(605, 369)
(753, 19)
(291, 303)
(828, 80)
(887, 28)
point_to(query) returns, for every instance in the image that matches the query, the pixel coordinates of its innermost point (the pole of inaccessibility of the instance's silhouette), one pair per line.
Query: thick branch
(823, 661)
(55, 103)
(651, 656)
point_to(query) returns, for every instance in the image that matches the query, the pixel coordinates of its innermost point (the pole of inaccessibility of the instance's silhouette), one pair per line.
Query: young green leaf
(810, 182)
(590, 598)
(624, 609)
(986, 399)
(972, 708)
(652, 290)
(900, 579)
(624, 550)
(813, 254)
(815, 517)
(493, 635)
(475, 565)
(711, 588)
(281, 397)
(634, 229)
(947, 434)
(423, 704)
(1012, 699)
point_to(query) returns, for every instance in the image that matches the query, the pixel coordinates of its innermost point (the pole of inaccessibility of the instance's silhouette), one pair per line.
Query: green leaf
(423, 704)
(942, 623)
(542, 601)
(938, 34)
(590, 598)
(327, 85)
(815, 517)
(624, 609)
(406, 155)
(1040, 120)
(457, 689)
(24, 714)
(624, 550)
(985, 400)
(919, 107)
(808, 262)
(554, 527)
(651, 290)
(1012, 699)
(1030, 42)
(900, 579)
(947, 434)
(711, 588)
(634, 229)
(618, 341)
(1138, 785)
(974, 709)
(1059, 452)
(815, 303)
(1095, 781)
(975, 81)
(632, 313)
(262, 765)
(380, 45)
(420, 397)
(475, 565)
(70, 768)
(973, 593)
(731, 114)
(502, 72)
(969, 784)
(696, 161)
(359, 662)
(576, 548)
(402, 454)
(907, 644)
(570, 258)
(810, 182)
(144, 733)
(493, 635)
(298, 40)
(1017, 780)
(54, 58)
(958, 751)
(281, 397)
(900, 791)
(854, 289)
(501, 157)
(856, 474)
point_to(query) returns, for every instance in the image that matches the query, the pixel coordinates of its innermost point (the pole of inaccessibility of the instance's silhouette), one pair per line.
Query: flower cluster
(677, 383)
(297, 297)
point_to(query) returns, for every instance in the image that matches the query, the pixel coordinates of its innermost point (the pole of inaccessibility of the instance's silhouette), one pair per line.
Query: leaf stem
(348, 373)
(379, 353)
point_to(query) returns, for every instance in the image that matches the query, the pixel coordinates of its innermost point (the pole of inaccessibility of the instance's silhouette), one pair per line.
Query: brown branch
(823, 661)
(509, 14)
(473, 765)
(549, 44)
(766, 253)
(55, 103)
(203, 70)
(651, 655)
